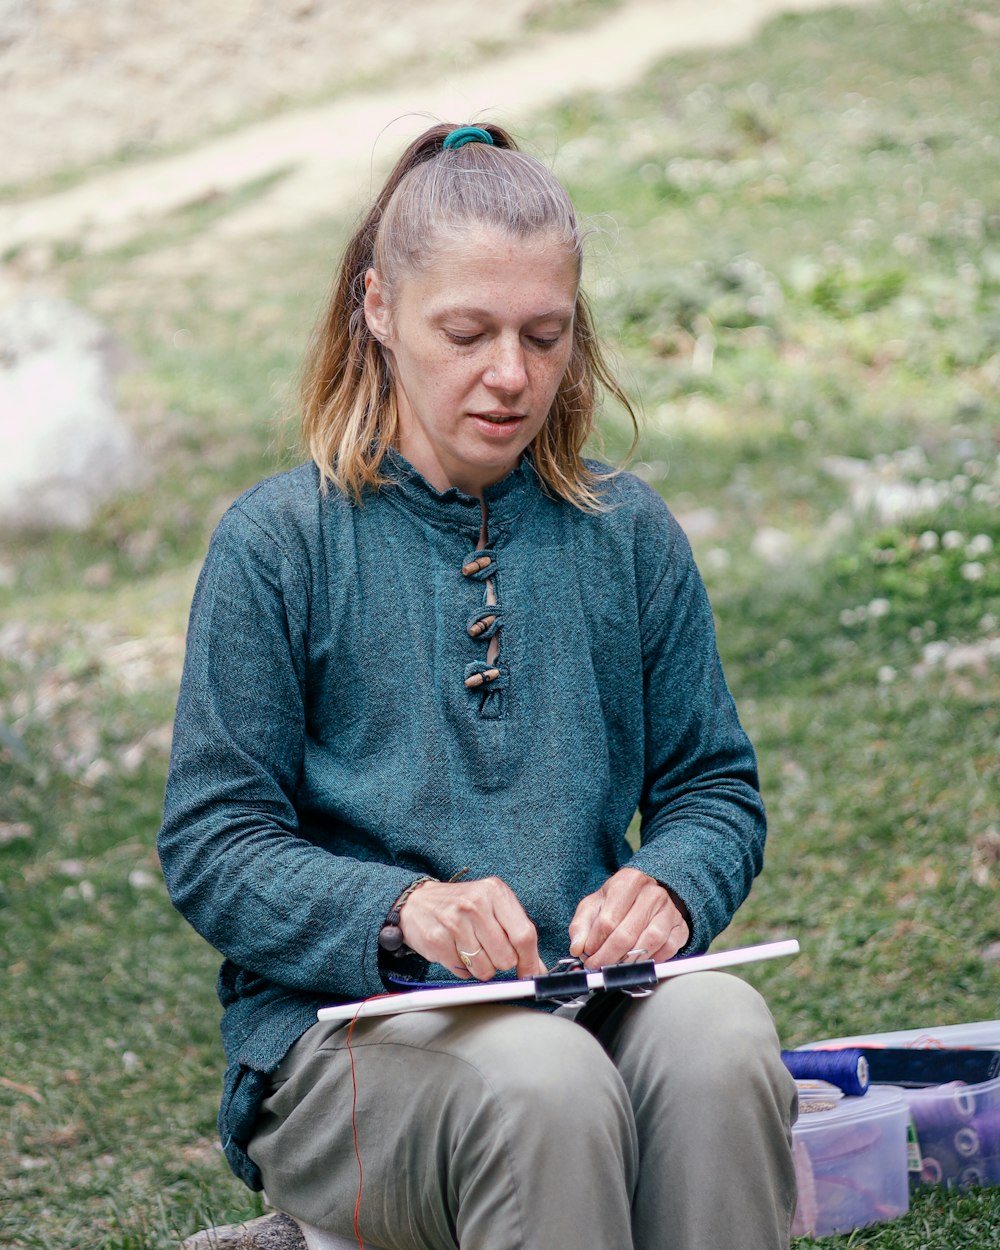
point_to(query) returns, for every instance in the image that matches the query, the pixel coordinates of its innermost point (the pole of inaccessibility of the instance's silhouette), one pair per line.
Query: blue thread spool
(847, 1068)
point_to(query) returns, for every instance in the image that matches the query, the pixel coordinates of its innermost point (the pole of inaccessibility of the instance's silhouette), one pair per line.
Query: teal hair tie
(467, 134)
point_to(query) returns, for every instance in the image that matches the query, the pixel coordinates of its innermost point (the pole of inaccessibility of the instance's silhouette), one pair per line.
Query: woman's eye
(461, 339)
(545, 343)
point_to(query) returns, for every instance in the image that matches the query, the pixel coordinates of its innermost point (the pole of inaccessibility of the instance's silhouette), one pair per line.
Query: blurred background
(795, 260)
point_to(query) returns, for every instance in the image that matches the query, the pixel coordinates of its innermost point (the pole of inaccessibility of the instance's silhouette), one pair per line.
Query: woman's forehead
(475, 268)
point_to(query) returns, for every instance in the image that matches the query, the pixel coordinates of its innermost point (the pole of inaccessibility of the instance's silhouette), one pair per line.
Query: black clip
(566, 979)
(638, 980)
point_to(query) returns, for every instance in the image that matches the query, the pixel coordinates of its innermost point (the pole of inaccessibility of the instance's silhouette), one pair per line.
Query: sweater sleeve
(234, 858)
(703, 824)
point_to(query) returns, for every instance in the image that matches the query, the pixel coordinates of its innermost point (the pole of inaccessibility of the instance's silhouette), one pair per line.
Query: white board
(468, 993)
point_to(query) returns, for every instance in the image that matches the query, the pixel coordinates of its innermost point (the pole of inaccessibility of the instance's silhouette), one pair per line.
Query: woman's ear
(376, 309)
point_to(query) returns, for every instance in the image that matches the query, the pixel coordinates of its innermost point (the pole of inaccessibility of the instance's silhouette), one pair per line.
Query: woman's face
(478, 341)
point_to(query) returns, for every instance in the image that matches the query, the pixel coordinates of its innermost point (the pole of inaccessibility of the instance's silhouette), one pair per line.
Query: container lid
(984, 1033)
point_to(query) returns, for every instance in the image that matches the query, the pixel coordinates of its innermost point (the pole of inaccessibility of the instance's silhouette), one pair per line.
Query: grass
(803, 277)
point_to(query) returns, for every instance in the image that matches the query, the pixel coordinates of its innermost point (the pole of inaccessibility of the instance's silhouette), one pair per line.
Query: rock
(66, 448)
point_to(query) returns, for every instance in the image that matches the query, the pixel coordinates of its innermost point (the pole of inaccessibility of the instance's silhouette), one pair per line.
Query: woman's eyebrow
(564, 314)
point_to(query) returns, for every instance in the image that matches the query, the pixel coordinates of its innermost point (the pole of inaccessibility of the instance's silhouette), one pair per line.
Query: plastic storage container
(957, 1126)
(850, 1161)
(958, 1133)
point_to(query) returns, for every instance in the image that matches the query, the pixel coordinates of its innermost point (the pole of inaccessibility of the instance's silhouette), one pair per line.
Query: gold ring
(468, 956)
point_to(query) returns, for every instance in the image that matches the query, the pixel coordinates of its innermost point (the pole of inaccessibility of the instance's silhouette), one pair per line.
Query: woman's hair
(433, 194)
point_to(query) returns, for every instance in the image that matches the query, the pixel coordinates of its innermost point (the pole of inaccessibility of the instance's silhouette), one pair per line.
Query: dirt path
(321, 157)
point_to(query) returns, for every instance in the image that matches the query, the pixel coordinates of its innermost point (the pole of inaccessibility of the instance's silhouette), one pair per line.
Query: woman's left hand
(631, 911)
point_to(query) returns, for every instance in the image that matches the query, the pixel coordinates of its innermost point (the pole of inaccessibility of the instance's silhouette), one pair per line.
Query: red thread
(354, 1116)
(354, 1128)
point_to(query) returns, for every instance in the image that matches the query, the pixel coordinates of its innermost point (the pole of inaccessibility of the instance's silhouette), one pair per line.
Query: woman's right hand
(482, 920)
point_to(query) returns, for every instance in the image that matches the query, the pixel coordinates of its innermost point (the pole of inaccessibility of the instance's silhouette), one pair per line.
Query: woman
(430, 677)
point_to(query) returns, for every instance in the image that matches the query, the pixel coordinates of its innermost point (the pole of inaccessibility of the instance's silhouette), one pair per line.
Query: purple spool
(980, 1138)
(972, 1175)
(938, 1109)
(938, 1113)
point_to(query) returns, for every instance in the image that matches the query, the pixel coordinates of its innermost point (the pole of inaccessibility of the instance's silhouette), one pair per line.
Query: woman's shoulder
(629, 503)
(280, 496)
(286, 505)
(280, 518)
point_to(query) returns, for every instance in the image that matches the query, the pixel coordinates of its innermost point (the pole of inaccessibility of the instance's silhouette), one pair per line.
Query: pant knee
(718, 1015)
(728, 1048)
(700, 1034)
(550, 1067)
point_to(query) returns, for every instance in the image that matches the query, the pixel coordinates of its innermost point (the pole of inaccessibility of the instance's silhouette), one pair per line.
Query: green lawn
(798, 254)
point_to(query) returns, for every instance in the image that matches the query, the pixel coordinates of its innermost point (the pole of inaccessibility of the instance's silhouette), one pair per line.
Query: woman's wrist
(390, 938)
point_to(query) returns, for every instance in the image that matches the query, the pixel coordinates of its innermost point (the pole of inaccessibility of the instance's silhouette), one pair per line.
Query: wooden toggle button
(474, 566)
(477, 679)
(481, 626)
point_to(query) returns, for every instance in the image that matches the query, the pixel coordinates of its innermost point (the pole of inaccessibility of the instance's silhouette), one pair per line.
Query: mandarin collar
(505, 500)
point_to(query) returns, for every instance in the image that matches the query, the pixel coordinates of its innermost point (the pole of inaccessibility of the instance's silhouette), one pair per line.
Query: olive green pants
(506, 1128)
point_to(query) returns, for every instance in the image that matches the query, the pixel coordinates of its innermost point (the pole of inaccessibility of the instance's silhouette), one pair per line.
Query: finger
(676, 940)
(520, 934)
(441, 919)
(475, 961)
(503, 937)
(582, 923)
(660, 931)
(611, 942)
(615, 901)
(636, 912)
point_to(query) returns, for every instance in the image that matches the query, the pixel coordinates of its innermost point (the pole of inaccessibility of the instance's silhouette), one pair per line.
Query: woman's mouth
(496, 424)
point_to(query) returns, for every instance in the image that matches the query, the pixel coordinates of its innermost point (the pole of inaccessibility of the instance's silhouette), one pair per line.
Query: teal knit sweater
(327, 750)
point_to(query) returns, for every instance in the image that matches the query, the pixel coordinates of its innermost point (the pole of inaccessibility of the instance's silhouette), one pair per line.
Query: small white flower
(886, 674)
(848, 618)
(929, 541)
(951, 540)
(980, 545)
(988, 623)
(879, 608)
(973, 571)
(718, 559)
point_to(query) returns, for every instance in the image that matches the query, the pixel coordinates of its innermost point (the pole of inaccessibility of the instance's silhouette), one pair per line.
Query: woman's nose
(506, 370)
